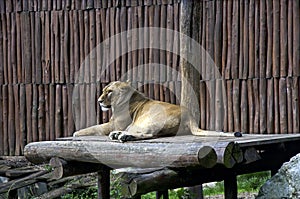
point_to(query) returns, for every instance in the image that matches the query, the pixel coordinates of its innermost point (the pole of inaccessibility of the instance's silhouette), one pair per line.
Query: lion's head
(115, 94)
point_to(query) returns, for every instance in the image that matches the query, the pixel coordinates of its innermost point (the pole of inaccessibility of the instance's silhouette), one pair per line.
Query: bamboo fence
(43, 44)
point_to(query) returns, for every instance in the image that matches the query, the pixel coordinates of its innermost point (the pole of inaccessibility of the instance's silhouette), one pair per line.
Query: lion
(136, 117)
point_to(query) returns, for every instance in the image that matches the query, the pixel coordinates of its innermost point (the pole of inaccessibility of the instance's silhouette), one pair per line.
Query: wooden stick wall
(43, 43)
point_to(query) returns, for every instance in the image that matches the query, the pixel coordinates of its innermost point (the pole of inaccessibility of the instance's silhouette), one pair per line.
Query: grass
(247, 183)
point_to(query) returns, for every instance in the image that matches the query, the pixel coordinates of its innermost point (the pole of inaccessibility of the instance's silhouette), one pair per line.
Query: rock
(285, 183)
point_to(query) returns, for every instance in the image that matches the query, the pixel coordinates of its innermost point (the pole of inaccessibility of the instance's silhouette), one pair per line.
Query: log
(62, 168)
(75, 183)
(18, 183)
(137, 154)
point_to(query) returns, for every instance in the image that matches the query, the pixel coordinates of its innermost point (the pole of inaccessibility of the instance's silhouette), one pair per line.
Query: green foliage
(247, 183)
(90, 193)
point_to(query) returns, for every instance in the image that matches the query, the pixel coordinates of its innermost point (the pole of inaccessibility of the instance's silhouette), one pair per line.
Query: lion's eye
(109, 93)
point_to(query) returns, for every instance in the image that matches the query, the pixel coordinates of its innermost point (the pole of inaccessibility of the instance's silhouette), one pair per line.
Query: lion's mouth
(105, 107)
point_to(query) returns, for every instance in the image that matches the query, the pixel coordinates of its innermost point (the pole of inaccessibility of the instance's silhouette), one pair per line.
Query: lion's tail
(200, 132)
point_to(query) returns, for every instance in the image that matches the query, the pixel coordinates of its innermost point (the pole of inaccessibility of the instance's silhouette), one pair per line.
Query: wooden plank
(229, 41)
(11, 121)
(1, 53)
(236, 105)
(241, 38)
(82, 103)
(47, 67)
(71, 58)
(18, 50)
(262, 39)
(85, 60)
(250, 105)
(276, 108)
(92, 52)
(263, 106)
(235, 39)
(283, 105)
(58, 111)
(22, 98)
(41, 113)
(289, 83)
(296, 38)
(256, 98)
(270, 105)
(61, 34)
(295, 106)
(65, 108)
(269, 38)
(276, 39)
(290, 38)
(283, 38)
(218, 37)
(169, 42)
(28, 88)
(256, 39)
(123, 27)
(4, 48)
(34, 113)
(13, 49)
(230, 119)
(38, 48)
(135, 40)
(9, 61)
(244, 107)
(67, 47)
(1, 120)
(163, 43)
(224, 38)
(251, 39)
(51, 120)
(17, 120)
(77, 45)
(32, 41)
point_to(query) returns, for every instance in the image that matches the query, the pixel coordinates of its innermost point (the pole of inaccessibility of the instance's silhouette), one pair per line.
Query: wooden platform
(206, 158)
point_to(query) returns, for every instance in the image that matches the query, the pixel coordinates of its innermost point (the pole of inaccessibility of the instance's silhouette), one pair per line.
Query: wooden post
(230, 186)
(104, 184)
(163, 194)
(190, 77)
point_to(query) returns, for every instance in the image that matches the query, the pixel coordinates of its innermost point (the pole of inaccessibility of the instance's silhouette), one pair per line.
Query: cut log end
(207, 157)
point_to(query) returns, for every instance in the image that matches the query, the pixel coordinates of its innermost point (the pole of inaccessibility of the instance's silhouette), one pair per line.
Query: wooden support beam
(230, 186)
(164, 194)
(104, 184)
(62, 168)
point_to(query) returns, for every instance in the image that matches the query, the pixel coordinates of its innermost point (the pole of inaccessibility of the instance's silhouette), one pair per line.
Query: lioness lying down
(136, 117)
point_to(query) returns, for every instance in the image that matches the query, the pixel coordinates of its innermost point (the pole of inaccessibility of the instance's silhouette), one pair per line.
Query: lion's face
(114, 94)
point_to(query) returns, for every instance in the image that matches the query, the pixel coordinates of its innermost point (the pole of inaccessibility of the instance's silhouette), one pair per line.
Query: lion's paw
(114, 135)
(122, 136)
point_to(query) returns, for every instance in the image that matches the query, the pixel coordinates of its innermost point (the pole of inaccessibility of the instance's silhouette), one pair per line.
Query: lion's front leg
(102, 129)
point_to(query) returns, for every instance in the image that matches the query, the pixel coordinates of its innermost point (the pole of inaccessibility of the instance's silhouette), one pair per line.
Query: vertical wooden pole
(163, 194)
(190, 77)
(230, 186)
(104, 184)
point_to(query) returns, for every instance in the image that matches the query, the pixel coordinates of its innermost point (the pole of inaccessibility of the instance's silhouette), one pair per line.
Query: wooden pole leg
(230, 186)
(104, 183)
(164, 194)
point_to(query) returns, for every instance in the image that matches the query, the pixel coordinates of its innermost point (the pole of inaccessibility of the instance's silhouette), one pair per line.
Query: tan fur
(136, 117)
